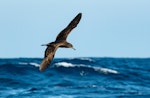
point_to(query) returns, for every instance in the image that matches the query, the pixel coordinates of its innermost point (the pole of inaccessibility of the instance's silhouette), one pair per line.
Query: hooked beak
(44, 45)
(73, 48)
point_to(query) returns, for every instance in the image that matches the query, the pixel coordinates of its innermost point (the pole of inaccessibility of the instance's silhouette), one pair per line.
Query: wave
(34, 64)
(84, 59)
(114, 76)
(64, 64)
(97, 69)
(25, 68)
(31, 63)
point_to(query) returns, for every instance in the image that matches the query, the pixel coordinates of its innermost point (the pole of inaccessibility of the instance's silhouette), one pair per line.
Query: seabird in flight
(59, 42)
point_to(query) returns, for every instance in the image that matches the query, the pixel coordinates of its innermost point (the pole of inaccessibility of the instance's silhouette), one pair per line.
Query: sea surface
(75, 78)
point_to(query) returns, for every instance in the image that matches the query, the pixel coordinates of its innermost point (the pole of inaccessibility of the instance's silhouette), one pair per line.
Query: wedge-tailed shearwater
(59, 42)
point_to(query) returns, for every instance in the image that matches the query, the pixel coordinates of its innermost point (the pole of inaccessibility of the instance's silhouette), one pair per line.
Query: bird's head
(69, 45)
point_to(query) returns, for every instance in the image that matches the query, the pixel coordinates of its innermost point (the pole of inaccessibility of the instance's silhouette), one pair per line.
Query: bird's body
(59, 42)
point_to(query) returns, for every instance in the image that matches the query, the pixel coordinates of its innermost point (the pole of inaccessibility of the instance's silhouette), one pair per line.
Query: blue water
(75, 78)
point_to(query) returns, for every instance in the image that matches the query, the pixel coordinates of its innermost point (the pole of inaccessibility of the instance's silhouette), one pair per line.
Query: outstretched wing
(49, 55)
(50, 49)
(64, 33)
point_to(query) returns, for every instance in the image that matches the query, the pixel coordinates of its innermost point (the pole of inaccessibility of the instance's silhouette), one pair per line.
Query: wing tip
(79, 15)
(43, 65)
(41, 69)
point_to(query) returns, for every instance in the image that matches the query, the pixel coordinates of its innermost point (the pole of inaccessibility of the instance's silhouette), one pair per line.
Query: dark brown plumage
(59, 42)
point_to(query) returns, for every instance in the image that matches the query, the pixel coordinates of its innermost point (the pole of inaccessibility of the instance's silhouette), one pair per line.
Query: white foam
(88, 59)
(98, 69)
(34, 64)
(64, 64)
(105, 70)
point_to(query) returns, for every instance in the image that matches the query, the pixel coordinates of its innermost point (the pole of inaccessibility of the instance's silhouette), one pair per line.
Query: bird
(61, 41)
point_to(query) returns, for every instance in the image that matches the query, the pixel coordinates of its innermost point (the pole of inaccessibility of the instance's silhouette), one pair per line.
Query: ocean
(87, 77)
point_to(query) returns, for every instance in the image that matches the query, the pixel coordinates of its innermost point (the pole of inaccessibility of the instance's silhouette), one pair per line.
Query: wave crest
(31, 63)
(64, 64)
(81, 66)
(34, 64)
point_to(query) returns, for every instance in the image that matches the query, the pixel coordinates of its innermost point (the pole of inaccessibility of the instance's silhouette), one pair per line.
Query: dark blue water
(75, 78)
